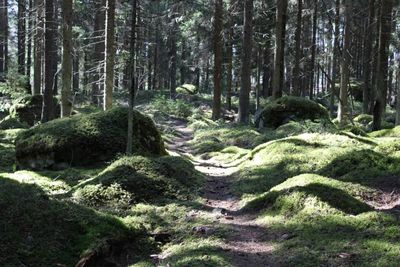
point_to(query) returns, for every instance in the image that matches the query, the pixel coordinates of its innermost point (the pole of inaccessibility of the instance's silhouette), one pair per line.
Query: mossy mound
(290, 108)
(86, 140)
(40, 231)
(364, 119)
(29, 109)
(187, 89)
(394, 132)
(10, 123)
(140, 179)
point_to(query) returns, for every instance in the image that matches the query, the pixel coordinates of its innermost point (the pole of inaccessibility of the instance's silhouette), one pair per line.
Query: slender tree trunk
(49, 74)
(313, 49)
(21, 36)
(3, 26)
(38, 48)
(398, 99)
(216, 113)
(109, 54)
(131, 99)
(296, 70)
(229, 70)
(183, 63)
(66, 93)
(99, 49)
(173, 59)
(368, 56)
(29, 47)
(385, 22)
(244, 97)
(335, 58)
(343, 114)
(278, 78)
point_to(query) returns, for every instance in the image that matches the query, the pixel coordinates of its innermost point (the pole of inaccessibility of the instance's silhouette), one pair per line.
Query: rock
(202, 230)
(85, 140)
(9, 123)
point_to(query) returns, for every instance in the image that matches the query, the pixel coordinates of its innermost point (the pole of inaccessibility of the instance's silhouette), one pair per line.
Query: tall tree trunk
(296, 70)
(131, 99)
(343, 113)
(21, 36)
(278, 83)
(173, 58)
(3, 39)
(368, 56)
(109, 54)
(229, 69)
(29, 47)
(313, 50)
(244, 97)
(381, 87)
(99, 49)
(49, 74)
(216, 112)
(38, 48)
(335, 58)
(66, 93)
(183, 63)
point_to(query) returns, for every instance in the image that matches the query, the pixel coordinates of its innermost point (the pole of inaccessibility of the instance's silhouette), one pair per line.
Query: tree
(38, 48)
(217, 59)
(244, 98)
(66, 92)
(3, 39)
(381, 86)
(277, 87)
(296, 70)
(343, 113)
(131, 99)
(109, 54)
(21, 36)
(49, 71)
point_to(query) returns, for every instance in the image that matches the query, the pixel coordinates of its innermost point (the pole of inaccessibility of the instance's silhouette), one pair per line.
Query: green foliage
(187, 89)
(140, 179)
(290, 108)
(16, 86)
(395, 132)
(177, 107)
(10, 123)
(86, 140)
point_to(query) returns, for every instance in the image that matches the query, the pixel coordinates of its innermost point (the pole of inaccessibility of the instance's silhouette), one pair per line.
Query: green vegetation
(187, 89)
(85, 140)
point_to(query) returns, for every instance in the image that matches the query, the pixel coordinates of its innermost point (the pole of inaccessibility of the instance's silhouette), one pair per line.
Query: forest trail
(246, 243)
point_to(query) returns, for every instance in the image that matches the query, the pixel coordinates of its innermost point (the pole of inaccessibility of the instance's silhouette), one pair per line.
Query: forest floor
(245, 242)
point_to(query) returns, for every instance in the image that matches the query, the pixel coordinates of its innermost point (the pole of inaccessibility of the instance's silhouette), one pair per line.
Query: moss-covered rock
(86, 140)
(10, 123)
(290, 108)
(363, 119)
(395, 132)
(29, 109)
(187, 89)
(140, 179)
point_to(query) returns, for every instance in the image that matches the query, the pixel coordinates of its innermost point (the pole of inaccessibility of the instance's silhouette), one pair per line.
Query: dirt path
(246, 242)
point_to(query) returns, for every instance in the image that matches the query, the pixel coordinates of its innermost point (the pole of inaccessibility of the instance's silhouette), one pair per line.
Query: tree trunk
(38, 48)
(335, 58)
(343, 114)
(49, 71)
(229, 70)
(385, 21)
(173, 58)
(66, 93)
(244, 98)
(368, 56)
(216, 112)
(109, 54)
(29, 47)
(296, 70)
(313, 50)
(277, 87)
(21, 36)
(3, 39)
(131, 99)
(99, 48)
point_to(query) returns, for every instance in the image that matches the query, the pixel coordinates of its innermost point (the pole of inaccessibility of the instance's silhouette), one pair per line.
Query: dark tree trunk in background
(216, 111)
(229, 68)
(99, 47)
(244, 97)
(21, 36)
(385, 21)
(368, 56)
(3, 39)
(335, 58)
(49, 71)
(29, 46)
(278, 78)
(313, 50)
(132, 86)
(38, 48)
(173, 58)
(66, 91)
(109, 55)
(296, 70)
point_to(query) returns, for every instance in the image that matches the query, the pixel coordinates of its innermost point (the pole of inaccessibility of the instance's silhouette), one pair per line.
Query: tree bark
(21, 36)
(66, 93)
(109, 54)
(296, 70)
(99, 49)
(38, 48)
(381, 87)
(216, 111)
(277, 87)
(244, 98)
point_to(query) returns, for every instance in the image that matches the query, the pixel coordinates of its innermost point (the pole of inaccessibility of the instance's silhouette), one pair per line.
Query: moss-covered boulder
(187, 89)
(9, 123)
(28, 109)
(289, 108)
(140, 179)
(86, 140)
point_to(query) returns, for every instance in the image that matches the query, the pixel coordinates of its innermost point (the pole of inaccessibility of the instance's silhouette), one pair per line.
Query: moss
(364, 119)
(10, 123)
(290, 108)
(40, 231)
(28, 110)
(86, 140)
(395, 132)
(187, 89)
(139, 179)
